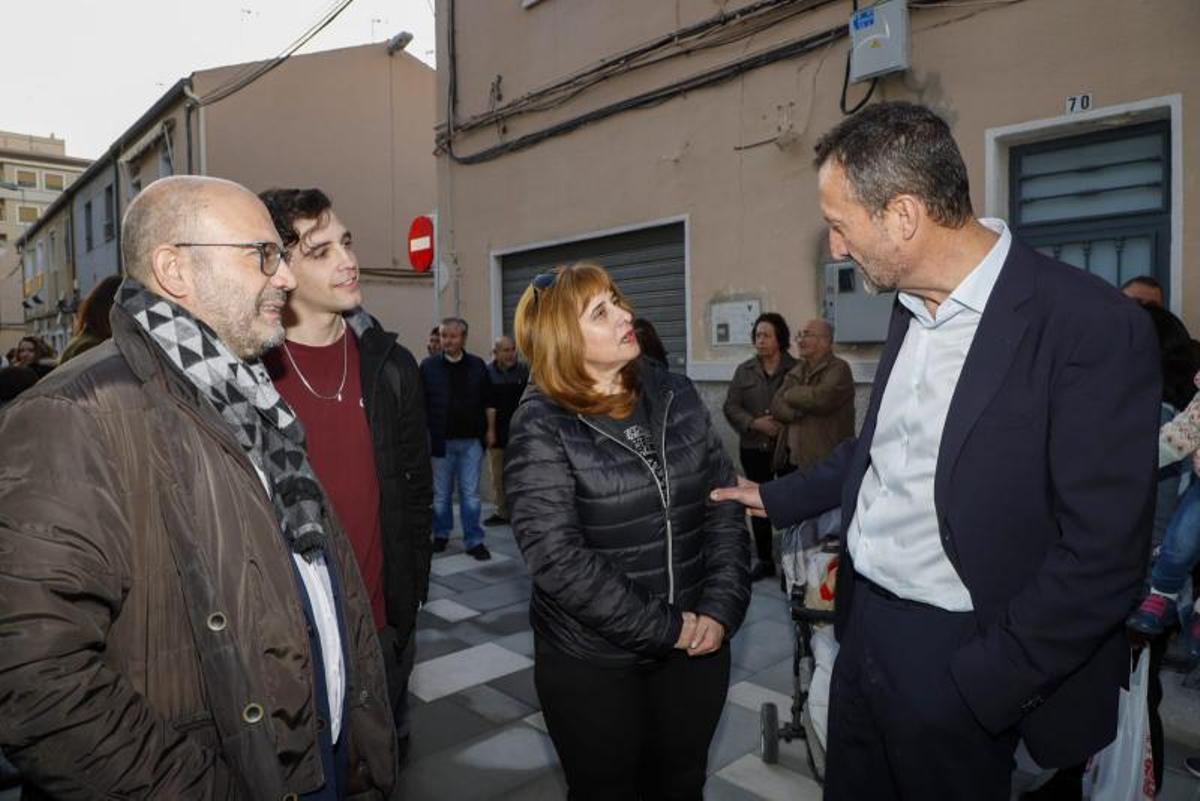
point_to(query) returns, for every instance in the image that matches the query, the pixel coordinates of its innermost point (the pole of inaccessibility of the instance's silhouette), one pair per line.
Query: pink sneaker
(1154, 616)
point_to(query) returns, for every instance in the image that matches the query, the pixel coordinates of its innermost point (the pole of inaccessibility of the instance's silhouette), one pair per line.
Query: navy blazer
(1044, 495)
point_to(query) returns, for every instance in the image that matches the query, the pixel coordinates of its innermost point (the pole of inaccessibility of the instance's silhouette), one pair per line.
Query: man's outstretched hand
(746, 493)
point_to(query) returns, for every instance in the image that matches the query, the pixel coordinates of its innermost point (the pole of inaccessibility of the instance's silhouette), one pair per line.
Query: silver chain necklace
(336, 395)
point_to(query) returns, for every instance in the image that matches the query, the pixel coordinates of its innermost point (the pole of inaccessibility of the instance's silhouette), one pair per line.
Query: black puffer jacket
(395, 403)
(616, 558)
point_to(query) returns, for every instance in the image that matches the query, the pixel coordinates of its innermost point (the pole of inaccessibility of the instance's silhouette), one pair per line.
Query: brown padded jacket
(154, 639)
(816, 401)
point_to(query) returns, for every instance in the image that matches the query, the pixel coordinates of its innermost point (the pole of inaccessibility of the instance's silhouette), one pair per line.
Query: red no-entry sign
(420, 243)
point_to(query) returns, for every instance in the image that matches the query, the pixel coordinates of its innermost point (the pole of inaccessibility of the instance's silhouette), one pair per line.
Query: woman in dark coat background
(639, 580)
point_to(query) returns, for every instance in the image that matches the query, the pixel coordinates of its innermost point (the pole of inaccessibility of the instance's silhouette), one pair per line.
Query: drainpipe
(117, 208)
(187, 127)
(195, 103)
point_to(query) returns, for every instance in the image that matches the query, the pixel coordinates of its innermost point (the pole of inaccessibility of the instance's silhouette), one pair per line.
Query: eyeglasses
(270, 254)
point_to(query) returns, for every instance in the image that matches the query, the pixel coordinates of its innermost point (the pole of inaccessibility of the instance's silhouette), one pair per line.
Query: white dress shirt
(319, 588)
(894, 537)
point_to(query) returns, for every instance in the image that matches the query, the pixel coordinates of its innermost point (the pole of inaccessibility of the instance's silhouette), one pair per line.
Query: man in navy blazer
(996, 506)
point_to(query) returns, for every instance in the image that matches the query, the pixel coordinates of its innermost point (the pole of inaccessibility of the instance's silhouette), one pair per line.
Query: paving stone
(751, 696)
(521, 643)
(496, 596)
(451, 673)
(503, 570)
(520, 686)
(717, 789)
(457, 563)
(439, 724)
(778, 677)
(450, 610)
(460, 583)
(738, 733)
(551, 786)
(490, 703)
(438, 591)
(484, 768)
(751, 774)
(768, 603)
(762, 644)
(434, 648)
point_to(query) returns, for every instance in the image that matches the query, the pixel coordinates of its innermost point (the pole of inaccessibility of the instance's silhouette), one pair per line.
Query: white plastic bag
(1124, 769)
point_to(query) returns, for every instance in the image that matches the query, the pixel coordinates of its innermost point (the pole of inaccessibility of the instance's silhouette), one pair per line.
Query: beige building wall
(49, 264)
(735, 159)
(44, 159)
(358, 124)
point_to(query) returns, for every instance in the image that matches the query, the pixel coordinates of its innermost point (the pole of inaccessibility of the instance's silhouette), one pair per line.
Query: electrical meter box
(857, 316)
(879, 41)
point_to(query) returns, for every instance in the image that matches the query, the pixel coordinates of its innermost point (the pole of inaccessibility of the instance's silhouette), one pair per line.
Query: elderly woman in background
(747, 408)
(639, 580)
(91, 321)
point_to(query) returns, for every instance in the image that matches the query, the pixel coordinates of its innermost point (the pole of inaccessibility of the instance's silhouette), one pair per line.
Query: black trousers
(638, 733)
(898, 726)
(398, 658)
(757, 466)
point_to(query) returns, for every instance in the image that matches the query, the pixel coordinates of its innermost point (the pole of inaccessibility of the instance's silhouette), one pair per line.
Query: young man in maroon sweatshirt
(358, 394)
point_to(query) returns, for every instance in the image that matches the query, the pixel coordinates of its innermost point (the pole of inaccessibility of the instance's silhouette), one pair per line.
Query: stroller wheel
(769, 742)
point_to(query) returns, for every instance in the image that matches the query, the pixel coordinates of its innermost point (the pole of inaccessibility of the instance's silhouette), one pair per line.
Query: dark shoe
(439, 544)
(1192, 764)
(762, 570)
(496, 520)
(1154, 616)
(480, 552)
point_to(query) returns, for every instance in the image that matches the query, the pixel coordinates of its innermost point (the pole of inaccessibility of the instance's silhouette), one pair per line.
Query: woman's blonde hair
(547, 331)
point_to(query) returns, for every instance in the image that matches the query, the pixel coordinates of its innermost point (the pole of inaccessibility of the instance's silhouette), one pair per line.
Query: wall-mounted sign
(732, 320)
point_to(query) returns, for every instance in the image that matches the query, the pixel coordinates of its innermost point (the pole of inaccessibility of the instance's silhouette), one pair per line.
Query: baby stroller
(808, 553)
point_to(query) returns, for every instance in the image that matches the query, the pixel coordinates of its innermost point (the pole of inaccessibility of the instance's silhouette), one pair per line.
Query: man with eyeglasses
(815, 401)
(358, 393)
(181, 612)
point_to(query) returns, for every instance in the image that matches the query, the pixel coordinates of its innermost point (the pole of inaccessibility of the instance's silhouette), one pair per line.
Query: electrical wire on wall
(723, 29)
(846, 81)
(654, 97)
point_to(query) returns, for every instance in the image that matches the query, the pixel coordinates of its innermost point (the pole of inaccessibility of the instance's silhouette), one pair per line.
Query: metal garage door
(646, 264)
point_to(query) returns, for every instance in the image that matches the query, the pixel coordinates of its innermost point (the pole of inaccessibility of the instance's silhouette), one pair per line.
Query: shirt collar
(974, 290)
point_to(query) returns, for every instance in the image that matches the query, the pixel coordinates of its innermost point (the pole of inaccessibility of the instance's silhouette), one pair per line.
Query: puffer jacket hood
(615, 556)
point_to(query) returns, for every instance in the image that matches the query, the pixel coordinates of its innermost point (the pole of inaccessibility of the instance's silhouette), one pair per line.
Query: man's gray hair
(458, 321)
(165, 212)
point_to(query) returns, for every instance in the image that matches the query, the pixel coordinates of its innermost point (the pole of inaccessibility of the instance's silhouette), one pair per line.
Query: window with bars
(1099, 201)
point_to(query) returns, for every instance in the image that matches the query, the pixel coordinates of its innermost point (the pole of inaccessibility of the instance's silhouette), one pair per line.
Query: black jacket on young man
(395, 405)
(615, 557)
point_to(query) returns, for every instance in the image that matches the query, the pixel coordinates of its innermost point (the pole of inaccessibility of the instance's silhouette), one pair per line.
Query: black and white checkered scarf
(265, 426)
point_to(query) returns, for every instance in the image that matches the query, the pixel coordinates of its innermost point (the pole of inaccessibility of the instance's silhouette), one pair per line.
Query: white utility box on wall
(879, 41)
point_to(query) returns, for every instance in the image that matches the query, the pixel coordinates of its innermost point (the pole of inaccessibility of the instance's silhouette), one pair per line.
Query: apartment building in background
(34, 171)
(356, 122)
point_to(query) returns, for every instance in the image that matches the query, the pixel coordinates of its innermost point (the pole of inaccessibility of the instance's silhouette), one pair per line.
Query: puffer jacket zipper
(664, 487)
